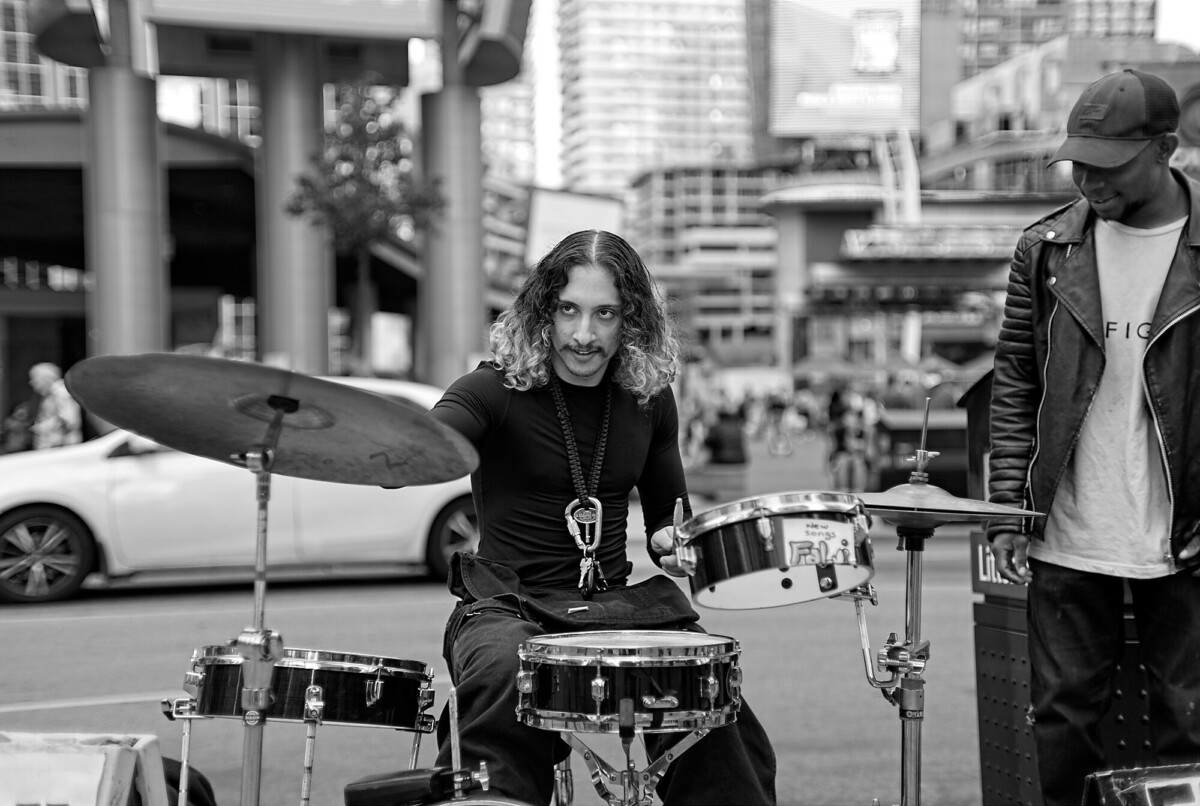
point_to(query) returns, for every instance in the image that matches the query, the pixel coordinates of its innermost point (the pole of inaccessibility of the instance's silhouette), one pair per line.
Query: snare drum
(775, 550)
(362, 690)
(675, 681)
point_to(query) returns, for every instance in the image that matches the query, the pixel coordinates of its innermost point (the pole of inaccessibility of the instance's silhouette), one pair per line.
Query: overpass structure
(143, 207)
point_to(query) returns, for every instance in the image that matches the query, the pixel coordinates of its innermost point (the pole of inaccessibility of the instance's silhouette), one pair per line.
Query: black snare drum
(362, 690)
(774, 550)
(674, 681)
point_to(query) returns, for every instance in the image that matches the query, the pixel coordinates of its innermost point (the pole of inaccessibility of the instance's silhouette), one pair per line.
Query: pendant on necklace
(584, 518)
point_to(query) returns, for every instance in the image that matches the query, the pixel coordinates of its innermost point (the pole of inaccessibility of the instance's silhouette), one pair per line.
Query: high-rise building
(994, 31)
(28, 79)
(651, 83)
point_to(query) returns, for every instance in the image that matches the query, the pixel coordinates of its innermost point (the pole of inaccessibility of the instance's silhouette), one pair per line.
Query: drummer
(572, 414)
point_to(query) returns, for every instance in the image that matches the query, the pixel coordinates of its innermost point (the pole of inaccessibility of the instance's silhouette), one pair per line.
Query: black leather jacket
(1050, 357)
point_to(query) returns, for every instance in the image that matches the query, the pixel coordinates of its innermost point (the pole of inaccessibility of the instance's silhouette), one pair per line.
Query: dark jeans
(1076, 637)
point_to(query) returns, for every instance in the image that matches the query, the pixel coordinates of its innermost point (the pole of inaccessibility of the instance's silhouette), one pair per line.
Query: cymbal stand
(259, 647)
(905, 660)
(637, 787)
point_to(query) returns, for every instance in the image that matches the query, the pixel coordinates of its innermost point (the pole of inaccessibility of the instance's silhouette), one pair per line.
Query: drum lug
(765, 530)
(710, 687)
(426, 723)
(374, 691)
(599, 688)
(526, 682)
(192, 682)
(424, 699)
(314, 702)
(735, 682)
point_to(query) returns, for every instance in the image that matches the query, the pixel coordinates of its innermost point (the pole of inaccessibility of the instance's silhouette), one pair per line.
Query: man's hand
(1011, 551)
(662, 543)
(1192, 548)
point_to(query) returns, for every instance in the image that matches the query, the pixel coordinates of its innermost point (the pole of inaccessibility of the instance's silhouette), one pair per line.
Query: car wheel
(454, 529)
(45, 554)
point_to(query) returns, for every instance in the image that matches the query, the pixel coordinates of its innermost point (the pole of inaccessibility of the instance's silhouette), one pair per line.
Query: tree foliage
(362, 183)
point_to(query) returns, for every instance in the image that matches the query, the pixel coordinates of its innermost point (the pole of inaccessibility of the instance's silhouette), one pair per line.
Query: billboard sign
(370, 19)
(847, 68)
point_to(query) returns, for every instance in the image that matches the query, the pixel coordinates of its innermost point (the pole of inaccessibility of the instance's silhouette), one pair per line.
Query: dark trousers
(1076, 636)
(734, 764)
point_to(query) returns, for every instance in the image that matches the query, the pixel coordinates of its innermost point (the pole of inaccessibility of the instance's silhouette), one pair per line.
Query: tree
(362, 184)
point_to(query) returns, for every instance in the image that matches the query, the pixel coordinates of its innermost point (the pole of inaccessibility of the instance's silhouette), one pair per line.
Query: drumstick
(455, 748)
(668, 545)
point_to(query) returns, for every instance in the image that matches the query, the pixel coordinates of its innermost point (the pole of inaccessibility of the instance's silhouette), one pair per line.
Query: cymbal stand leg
(184, 752)
(260, 462)
(182, 708)
(314, 711)
(416, 751)
(911, 695)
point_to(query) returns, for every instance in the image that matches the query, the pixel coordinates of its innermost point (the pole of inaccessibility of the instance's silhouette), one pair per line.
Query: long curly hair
(521, 337)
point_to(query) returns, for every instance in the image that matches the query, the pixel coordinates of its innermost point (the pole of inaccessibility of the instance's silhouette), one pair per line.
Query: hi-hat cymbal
(222, 409)
(923, 506)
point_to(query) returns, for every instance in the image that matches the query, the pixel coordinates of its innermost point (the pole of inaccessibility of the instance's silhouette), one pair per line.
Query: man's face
(1124, 193)
(587, 325)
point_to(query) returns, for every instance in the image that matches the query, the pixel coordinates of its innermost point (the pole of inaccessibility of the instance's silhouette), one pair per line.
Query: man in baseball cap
(1095, 422)
(1116, 117)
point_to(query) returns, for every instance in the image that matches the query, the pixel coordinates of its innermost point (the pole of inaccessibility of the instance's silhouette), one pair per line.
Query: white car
(122, 509)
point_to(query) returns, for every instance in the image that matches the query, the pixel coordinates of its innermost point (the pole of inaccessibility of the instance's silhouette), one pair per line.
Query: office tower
(29, 79)
(650, 83)
(994, 31)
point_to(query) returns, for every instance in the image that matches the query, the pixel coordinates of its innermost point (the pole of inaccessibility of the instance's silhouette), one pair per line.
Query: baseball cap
(1116, 116)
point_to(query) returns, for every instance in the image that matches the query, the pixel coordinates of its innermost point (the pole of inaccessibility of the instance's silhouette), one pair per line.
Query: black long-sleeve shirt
(523, 483)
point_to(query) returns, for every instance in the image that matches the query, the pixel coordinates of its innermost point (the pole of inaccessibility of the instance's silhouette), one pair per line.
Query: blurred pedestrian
(59, 420)
(16, 432)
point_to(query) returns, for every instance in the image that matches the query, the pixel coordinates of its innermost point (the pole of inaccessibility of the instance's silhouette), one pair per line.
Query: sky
(1179, 21)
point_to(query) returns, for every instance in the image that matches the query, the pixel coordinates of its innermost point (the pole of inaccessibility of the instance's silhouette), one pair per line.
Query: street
(101, 664)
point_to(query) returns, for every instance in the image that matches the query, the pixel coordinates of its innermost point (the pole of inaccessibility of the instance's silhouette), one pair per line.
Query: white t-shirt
(1111, 513)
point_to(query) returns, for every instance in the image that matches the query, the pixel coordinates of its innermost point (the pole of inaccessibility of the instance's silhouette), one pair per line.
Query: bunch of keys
(584, 521)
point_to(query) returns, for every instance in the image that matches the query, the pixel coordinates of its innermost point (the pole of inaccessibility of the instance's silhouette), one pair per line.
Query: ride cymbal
(921, 506)
(221, 409)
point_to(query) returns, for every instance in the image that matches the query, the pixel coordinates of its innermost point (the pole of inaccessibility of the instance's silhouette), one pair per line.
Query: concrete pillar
(295, 258)
(452, 327)
(125, 204)
(792, 279)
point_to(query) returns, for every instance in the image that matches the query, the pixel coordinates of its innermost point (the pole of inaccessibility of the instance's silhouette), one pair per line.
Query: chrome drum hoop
(353, 689)
(674, 680)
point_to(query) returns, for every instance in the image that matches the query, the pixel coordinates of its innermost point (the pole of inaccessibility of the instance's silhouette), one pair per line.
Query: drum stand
(259, 647)
(637, 786)
(905, 660)
(915, 509)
